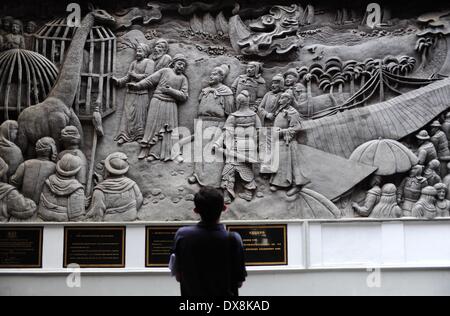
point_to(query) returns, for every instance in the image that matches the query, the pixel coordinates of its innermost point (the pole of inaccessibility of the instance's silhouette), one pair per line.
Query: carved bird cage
(53, 41)
(26, 78)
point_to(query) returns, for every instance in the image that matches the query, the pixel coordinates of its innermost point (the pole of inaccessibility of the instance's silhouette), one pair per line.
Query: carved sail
(394, 119)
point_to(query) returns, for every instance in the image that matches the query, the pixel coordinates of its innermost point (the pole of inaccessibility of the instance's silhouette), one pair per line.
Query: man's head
(46, 149)
(416, 171)
(161, 48)
(179, 64)
(141, 52)
(218, 75)
(291, 77)
(277, 83)
(31, 27)
(209, 204)
(70, 136)
(435, 127)
(7, 23)
(422, 137)
(254, 69)
(16, 27)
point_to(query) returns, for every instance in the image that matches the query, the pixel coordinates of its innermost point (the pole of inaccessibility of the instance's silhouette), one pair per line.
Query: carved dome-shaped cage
(26, 78)
(53, 41)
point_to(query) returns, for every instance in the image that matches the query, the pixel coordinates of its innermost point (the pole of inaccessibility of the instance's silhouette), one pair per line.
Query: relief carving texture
(295, 111)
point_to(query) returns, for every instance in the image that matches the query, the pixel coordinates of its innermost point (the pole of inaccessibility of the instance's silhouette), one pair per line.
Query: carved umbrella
(389, 156)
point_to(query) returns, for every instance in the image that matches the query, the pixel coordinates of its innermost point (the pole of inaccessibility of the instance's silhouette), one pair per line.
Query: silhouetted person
(209, 260)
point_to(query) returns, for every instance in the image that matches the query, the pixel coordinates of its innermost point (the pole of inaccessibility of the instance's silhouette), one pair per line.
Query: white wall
(325, 258)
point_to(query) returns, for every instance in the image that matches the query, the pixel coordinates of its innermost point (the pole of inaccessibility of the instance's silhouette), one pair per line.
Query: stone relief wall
(295, 111)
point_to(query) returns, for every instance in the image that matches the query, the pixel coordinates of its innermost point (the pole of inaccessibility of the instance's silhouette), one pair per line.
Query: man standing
(160, 56)
(269, 104)
(71, 140)
(171, 87)
(209, 260)
(426, 151)
(253, 82)
(216, 104)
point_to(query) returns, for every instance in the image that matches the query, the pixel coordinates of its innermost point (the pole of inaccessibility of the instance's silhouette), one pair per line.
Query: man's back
(210, 261)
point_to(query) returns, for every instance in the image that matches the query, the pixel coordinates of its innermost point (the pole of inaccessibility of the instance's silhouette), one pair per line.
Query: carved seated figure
(71, 141)
(118, 198)
(431, 172)
(62, 199)
(387, 207)
(240, 140)
(372, 198)
(410, 189)
(426, 206)
(14, 207)
(31, 175)
(442, 204)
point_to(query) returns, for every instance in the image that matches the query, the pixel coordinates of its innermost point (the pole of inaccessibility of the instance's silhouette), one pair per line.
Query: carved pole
(381, 82)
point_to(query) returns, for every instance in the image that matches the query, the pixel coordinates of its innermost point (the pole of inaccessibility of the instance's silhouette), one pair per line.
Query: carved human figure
(291, 77)
(160, 55)
(301, 100)
(446, 181)
(117, 198)
(253, 83)
(426, 151)
(5, 30)
(14, 207)
(409, 191)
(446, 126)
(387, 207)
(71, 141)
(15, 39)
(136, 102)
(62, 198)
(442, 203)
(240, 140)
(426, 206)
(216, 104)
(171, 87)
(30, 29)
(372, 198)
(31, 175)
(9, 151)
(269, 103)
(288, 124)
(431, 172)
(440, 142)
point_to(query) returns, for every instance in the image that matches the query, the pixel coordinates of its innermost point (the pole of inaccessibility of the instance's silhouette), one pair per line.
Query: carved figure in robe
(31, 175)
(117, 198)
(253, 83)
(171, 88)
(442, 203)
(136, 102)
(216, 104)
(426, 206)
(62, 199)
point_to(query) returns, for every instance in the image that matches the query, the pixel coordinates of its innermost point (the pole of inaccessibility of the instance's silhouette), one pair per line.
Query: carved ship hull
(395, 119)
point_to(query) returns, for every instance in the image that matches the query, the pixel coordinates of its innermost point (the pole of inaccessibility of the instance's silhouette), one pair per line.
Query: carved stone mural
(294, 110)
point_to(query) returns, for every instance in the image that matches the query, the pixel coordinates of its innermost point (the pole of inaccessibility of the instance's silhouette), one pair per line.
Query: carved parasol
(389, 156)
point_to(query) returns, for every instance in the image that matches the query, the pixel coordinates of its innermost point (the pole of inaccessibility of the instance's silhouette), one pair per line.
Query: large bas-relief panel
(120, 112)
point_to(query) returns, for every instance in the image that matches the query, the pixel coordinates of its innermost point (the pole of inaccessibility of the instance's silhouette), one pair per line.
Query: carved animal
(51, 116)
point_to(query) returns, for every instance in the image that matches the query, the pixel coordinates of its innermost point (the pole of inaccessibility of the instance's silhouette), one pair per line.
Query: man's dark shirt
(210, 261)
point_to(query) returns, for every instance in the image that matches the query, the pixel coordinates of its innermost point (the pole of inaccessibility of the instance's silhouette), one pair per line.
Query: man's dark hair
(209, 203)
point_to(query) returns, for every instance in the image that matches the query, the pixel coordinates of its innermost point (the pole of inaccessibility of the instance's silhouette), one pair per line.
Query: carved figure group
(12, 34)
